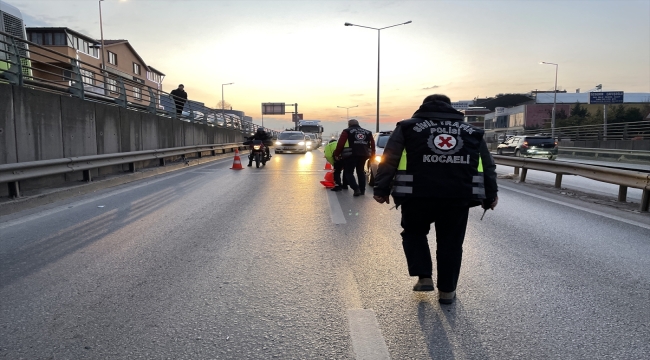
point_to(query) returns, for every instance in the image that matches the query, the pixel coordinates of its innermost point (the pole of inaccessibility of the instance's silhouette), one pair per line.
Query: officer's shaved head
(353, 122)
(437, 97)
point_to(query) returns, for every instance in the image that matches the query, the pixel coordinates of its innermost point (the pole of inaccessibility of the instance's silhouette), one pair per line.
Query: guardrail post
(645, 200)
(558, 181)
(622, 193)
(153, 102)
(162, 161)
(132, 167)
(87, 176)
(15, 72)
(121, 98)
(516, 171)
(14, 189)
(522, 177)
(77, 84)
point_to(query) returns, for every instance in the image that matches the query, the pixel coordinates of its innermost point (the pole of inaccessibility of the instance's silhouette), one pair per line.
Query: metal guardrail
(13, 173)
(637, 130)
(610, 154)
(27, 64)
(623, 178)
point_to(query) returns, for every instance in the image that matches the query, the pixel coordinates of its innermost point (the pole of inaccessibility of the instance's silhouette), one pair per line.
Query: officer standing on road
(438, 167)
(336, 164)
(355, 146)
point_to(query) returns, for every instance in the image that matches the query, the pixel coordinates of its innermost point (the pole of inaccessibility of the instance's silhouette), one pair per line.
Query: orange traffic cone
(329, 180)
(236, 164)
(328, 166)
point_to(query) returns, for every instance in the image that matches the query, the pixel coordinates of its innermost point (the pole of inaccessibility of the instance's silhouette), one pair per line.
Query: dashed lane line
(336, 213)
(367, 340)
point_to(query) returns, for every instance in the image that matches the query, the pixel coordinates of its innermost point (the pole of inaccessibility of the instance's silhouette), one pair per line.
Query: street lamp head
(408, 22)
(348, 24)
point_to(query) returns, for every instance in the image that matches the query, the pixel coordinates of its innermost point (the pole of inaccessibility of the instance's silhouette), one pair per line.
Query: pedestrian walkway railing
(607, 154)
(623, 178)
(24, 63)
(12, 174)
(638, 130)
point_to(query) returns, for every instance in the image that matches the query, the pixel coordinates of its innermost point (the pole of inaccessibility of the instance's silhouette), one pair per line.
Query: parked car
(292, 141)
(381, 138)
(529, 146)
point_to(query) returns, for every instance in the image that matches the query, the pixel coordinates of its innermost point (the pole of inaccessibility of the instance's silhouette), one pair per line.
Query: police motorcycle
(258, 152)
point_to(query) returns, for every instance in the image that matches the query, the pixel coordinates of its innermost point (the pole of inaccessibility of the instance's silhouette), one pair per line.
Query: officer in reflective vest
(437, 167)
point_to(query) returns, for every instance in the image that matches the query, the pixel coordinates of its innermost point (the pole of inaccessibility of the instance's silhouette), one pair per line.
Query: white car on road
(292, 142)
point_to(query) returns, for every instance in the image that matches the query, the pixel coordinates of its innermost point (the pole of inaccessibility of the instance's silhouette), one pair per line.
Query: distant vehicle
(311, 127)
(292, 142)
(529, 146)
(258, 153)
(381, 138)
(315, 142)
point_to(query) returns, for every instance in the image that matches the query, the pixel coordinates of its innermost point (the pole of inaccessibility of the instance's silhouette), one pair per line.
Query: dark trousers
(179, 107)
(338, 167)
(350, 166)
(450, 221)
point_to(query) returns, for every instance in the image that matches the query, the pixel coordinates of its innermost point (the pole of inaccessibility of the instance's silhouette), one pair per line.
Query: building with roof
(121, 60)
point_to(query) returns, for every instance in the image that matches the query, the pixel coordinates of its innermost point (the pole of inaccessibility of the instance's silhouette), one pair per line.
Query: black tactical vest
(359, 141)
(442, 159)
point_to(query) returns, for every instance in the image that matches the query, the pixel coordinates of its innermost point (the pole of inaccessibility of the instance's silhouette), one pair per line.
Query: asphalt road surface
(212, 263)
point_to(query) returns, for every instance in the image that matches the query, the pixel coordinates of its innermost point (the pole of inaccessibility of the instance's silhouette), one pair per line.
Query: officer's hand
(490, 203)
(382, 199)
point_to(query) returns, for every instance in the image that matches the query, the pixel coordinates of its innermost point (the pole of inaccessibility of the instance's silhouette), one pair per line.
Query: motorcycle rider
(266, 139)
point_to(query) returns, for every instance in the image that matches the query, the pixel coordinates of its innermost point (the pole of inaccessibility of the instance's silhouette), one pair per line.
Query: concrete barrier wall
(38, 125)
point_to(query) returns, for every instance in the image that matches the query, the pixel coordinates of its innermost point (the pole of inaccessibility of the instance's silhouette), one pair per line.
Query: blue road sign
(606, 97)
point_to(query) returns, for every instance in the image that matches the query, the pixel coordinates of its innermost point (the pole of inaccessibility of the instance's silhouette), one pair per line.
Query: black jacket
(446, 172)
(179, 95)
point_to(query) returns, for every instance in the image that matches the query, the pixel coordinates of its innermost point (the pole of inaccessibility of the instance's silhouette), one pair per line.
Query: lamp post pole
(223, 115)
(554, 98)
(347, 109)
(101, 32)
(378, 55)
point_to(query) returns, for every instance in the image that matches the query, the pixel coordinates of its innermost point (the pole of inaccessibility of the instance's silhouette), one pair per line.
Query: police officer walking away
(355, 146)
(438, 167)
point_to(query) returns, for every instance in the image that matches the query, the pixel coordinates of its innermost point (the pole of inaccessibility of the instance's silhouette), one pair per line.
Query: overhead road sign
(273, 109)
(606, 97)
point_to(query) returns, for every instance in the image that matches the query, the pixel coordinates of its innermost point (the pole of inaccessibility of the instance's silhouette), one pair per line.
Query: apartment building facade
(120, 60)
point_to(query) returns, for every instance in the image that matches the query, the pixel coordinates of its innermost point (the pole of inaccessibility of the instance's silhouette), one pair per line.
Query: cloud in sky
(300, 51)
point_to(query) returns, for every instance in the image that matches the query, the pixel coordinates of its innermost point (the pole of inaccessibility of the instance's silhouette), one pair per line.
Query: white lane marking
(595, 212)
(336, 213)
(39, 215)
(367, 341)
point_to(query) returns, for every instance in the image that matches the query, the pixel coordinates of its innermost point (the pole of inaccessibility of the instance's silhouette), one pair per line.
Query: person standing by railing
(180, 98)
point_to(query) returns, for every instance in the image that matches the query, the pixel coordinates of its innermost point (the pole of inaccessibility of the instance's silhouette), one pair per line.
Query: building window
(88, 77)
(137, 93)
(59, 39)
(37, 38)
(152, 76)
(111, 85)
(112, 58)
(136, 69)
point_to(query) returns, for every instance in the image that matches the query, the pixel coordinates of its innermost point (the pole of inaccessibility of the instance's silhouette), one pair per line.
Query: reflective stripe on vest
(401, 179)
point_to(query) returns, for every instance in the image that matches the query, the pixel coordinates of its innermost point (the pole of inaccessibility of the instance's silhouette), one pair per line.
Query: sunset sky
(300, 51)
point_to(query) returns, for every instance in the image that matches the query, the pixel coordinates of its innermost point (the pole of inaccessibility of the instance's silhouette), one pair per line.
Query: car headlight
(378, 158)
(301, 143)
(308, 143)
(278, 143)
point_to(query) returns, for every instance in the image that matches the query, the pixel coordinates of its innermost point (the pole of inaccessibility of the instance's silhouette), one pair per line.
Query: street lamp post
(223, 115)
(101, 32)
(347, 109)
(554, 98)
(378, 55)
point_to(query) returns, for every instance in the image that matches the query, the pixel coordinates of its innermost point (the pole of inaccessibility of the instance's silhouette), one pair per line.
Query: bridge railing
(637, 130)
(24, 63)
(12, 174)
(623, 178)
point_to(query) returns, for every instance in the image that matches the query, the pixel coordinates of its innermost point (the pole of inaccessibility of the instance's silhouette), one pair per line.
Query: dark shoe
(446, 297)
(424, 284)
(363, 192)
(344, 187)
(249, 165)
(356, 193)
(336, 188)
